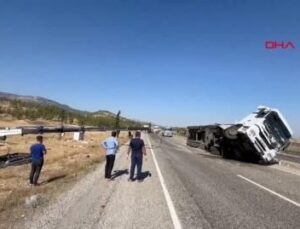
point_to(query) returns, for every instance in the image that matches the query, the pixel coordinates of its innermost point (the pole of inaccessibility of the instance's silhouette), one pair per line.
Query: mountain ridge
(23, 106)
(46, 101)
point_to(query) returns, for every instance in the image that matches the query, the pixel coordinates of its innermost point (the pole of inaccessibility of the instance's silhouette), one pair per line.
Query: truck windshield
(276, 128)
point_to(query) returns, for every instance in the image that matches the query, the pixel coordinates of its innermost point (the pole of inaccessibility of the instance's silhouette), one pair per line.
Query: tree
(62, 116)
(117, 125)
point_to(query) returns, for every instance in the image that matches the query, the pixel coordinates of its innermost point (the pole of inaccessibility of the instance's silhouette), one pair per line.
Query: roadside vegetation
(30, 110)
(66, 161)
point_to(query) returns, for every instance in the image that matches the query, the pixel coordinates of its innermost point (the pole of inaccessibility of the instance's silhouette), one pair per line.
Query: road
(183, 188)
(208, 193)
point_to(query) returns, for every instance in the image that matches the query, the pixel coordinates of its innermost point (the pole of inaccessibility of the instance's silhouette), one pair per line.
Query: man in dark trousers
(111, 146)
(137, 149)
(37, 152)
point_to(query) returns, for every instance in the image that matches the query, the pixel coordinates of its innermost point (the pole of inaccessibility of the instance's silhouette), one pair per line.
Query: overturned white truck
(258, 137)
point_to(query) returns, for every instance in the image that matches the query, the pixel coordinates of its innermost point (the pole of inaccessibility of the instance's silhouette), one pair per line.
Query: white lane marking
(175, 219)
(271, 191)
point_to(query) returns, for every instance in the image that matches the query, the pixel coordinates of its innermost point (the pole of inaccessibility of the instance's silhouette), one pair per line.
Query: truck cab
(267, 131)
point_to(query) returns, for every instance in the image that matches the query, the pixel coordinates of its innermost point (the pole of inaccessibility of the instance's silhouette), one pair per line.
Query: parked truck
(259, 137)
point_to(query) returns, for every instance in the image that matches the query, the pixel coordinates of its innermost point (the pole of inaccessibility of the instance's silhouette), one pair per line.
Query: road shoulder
(97, 203)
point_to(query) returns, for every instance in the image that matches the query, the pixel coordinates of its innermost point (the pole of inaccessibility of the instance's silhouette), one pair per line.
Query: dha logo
(279, 45)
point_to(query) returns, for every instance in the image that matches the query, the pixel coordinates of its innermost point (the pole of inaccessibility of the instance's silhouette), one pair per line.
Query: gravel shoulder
(97, 203)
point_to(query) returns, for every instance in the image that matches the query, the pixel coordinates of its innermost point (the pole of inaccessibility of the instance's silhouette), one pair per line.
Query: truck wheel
(231, 132)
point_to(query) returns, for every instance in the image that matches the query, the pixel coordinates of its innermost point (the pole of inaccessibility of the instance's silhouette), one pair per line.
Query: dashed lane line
(270, 191)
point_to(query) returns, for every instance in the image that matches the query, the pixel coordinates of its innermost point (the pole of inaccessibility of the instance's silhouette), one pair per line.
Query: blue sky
(173, 62)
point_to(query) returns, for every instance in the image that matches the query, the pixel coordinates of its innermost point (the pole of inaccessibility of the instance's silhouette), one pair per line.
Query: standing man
(137, 149)
(37, 152)
(111, 146)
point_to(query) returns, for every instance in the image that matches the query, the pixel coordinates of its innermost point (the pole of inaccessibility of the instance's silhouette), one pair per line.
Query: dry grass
(66, 161)
(8, 121)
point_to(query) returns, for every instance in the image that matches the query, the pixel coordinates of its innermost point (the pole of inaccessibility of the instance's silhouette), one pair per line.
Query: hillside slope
(34, 107)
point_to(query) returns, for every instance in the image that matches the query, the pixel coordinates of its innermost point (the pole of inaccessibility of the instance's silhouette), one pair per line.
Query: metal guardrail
(23, 158)
(62, 129)
(14, 159)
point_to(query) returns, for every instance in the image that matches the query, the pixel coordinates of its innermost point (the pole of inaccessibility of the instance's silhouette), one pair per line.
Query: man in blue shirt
(37, 152)
(137, 149)
(111, 146)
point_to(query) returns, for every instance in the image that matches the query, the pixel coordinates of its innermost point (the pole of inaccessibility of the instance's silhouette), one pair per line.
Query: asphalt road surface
(183, 188)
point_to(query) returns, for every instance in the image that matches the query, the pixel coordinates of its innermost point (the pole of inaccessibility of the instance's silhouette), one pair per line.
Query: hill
(35, 107)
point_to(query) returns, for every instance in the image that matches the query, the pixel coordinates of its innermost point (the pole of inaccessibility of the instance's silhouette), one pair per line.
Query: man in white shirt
(111, 146)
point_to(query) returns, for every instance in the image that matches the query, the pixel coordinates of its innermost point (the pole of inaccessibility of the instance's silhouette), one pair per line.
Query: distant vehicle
(167, 132)
(156, 129)
(258, 137)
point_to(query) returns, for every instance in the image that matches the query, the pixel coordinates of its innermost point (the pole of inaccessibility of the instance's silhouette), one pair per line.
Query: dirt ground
(66, 161)
(294, 147)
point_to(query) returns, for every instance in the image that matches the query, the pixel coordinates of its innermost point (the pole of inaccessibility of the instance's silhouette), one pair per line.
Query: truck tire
(231, 132)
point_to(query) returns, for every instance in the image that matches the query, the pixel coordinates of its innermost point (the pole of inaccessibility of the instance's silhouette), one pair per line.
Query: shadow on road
(54, 178)
(236, 160)
(145, 174)
(118, 173)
